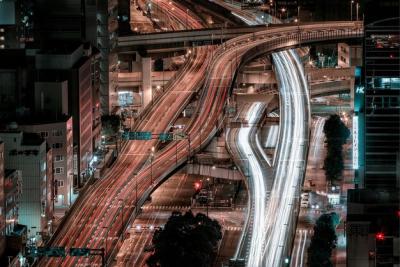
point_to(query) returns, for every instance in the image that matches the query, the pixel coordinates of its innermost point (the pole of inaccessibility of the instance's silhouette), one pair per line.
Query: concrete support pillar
(146, 81)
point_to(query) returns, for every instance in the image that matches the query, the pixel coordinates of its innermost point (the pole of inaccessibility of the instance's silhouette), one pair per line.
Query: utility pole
(105, 245)
(351, 9)
(357, 7)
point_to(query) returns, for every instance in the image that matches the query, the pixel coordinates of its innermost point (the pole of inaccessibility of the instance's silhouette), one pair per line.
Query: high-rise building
(28, 152)
(373, 218)
(85, 21)
(64, 81)
(58, 135)
(382, 104)
(106, 42)
(12, 195)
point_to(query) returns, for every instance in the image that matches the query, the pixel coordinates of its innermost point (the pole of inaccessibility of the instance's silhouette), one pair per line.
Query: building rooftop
(32, 139)
(43, 119)
(61, 48)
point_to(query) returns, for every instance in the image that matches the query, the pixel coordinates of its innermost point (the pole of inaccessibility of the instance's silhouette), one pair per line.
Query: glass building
(373, 208)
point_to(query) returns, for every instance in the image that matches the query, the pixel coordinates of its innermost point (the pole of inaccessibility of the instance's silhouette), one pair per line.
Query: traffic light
(79, 251)
(380, 236)
(197, 186)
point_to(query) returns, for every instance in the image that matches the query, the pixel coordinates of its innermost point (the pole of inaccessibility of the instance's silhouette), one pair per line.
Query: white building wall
(33, 168)
(59, 133)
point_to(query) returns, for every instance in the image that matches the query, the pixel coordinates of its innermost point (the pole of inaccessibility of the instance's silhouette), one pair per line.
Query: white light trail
(257, 185)
(272, 138)
(290, 164)
(318, 137)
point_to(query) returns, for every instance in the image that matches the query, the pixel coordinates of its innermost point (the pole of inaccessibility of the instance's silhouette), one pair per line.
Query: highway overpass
(172, 41)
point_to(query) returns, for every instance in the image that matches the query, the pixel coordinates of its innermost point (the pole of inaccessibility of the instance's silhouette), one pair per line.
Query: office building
(373, 207)
(70, 68)
(12, 195)
(84, 21)
(28, 153)
(58, 135)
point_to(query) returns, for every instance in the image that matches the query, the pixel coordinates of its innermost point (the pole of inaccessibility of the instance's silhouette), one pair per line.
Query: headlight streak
(272, 138)
(262, 152)
(257, 184)
(290, 164)
(318, 137)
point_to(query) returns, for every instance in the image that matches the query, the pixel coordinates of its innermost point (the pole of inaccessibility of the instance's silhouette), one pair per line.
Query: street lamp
(282, 12)
(105, 242)
(151, 167)
(122, 215)
(351, 9)
(136, 195)
(187, 10)
(357, 7)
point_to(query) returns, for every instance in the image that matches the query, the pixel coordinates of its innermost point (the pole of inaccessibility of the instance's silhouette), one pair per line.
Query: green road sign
(79, 251)
(55, 252)
(166, 136)
(136, 135)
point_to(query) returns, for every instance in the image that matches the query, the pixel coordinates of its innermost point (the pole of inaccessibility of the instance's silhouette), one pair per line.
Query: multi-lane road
(99, 217)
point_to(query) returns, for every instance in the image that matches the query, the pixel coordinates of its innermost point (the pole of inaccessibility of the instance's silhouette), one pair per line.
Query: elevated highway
(100, 216)
(170, 41)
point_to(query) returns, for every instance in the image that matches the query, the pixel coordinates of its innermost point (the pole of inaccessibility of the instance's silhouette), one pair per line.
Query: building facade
(107, 27)
(373, 212)
(71, 65)
(27, 152)
(12, 195)
(59, 136)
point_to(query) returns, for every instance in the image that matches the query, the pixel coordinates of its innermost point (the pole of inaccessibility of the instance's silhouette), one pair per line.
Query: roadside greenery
(323, 241)
(110, 125)
(186, 240)
(336, 134)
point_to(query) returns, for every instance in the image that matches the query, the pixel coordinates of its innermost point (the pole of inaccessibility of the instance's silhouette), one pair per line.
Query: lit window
(59, 170)
(59, 158)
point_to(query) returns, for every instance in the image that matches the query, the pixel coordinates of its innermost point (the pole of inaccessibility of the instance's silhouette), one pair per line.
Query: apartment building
(59, 136)
(28, 153)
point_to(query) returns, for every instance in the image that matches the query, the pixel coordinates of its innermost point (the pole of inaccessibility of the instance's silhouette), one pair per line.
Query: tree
(336, 134)
(335, 130)
(186, 240)
(323, 241)
(110, 124)
(110, 127)
(333, 164)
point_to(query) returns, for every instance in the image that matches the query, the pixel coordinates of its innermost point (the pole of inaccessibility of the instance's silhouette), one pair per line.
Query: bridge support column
(147, 92)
